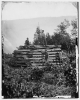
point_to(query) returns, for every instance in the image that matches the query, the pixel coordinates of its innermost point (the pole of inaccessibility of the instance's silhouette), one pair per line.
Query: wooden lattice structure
(36, 55)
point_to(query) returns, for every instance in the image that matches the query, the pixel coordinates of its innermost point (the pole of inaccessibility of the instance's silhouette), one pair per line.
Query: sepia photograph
(40, 49)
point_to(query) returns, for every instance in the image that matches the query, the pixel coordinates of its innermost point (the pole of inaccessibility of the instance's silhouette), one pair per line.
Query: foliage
(23, 81)
(6, 58)
(12, 62)
(74, 27)
(48, 90)
(48, 81)
(70, 73)
(60, 37)
(50, 78)
(63, 26)
(48, 39)
(39, 37)
(36, 74)
(18, 80)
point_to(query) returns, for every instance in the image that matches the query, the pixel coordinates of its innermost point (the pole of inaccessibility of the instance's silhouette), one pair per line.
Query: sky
(12, 11)
(19, 20)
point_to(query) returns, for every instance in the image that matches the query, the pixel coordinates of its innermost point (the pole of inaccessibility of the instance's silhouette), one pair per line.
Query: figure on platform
(46, 55)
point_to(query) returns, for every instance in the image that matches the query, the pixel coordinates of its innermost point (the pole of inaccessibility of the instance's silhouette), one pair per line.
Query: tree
(74, 25)
(74, 29)
(39, 37)
(38, 30)
(62, 27)
(61, 37)
(56, 38)
(48, 39)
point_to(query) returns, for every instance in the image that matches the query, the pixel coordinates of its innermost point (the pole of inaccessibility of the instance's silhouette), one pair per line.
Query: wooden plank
(37, 49)
(39, 64)
(37, 58)
(52, 55)
(35, 61)
(48, 50)
(39, 52)
(46, 46)
(38, 55)
(42, 64)
(33, 58)
(43, 46)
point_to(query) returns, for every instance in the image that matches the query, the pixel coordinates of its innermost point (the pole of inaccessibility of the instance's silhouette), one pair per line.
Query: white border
(34, 1)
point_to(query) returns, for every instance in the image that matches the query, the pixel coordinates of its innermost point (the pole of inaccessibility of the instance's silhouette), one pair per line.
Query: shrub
(18, 80)
(36, 74)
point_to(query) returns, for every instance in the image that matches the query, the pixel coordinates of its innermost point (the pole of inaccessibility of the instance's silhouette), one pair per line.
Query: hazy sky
(17, 30)
(23, 10)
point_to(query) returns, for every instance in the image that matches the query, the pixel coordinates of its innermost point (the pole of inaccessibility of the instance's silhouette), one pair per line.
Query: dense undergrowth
(49, 81)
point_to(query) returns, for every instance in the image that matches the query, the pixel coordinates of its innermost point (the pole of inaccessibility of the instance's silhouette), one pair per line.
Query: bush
(47, 90)
(48, 81)
(13, 62)
(50, 78)
(18, 80)
(36, 74)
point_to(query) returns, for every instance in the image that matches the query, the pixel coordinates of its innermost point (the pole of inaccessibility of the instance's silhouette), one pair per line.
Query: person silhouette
(46, 55)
